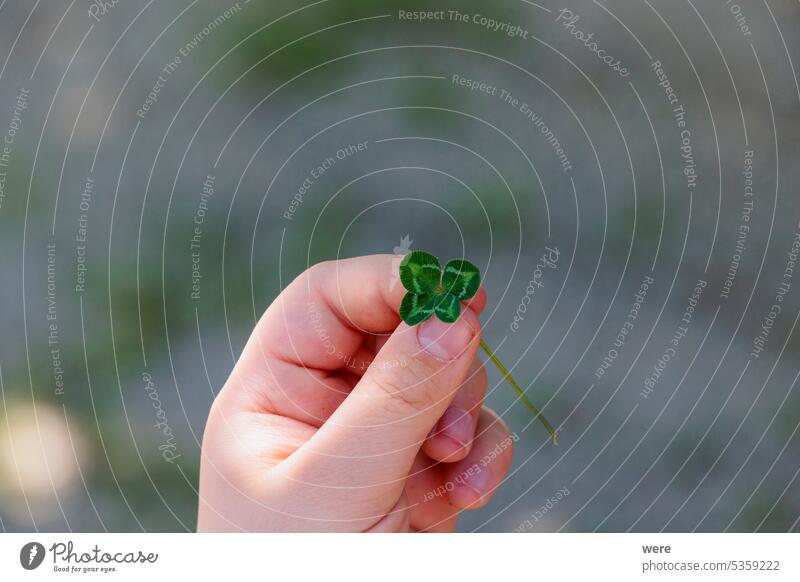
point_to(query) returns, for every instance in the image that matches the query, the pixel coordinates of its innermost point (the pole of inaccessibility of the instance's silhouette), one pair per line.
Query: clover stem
(510, 379)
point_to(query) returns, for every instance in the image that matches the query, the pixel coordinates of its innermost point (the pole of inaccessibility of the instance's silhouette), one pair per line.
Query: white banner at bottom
(389, 557)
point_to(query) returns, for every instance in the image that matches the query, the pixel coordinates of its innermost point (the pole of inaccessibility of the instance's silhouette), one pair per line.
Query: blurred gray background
(126, 123)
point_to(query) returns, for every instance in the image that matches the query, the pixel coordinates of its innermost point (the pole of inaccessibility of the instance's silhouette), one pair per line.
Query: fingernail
(479, 482)
(445, 341)
(456, 424)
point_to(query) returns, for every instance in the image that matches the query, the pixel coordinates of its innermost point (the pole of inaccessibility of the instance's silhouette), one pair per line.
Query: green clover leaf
(448, 307)
(433, 291)
(461, 279)
(420, 273)
(417, 308)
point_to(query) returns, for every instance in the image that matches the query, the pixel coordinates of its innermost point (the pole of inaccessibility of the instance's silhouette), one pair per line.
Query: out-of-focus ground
(265, 95)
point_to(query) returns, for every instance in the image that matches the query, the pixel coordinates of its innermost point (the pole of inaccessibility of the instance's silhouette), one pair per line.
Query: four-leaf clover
(433, 291)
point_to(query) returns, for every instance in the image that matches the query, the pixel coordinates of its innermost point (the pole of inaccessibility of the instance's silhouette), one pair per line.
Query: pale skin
(340, 417)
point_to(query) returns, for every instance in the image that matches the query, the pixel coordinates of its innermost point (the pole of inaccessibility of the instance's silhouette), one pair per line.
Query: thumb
(371, 440)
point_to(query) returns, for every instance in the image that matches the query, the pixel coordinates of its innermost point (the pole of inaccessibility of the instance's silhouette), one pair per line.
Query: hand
(339, 417)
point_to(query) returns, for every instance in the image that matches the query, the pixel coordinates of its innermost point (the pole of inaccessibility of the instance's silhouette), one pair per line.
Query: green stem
(507, 375)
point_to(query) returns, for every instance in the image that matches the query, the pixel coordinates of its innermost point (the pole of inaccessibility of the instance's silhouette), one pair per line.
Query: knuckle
(407, 387)
(496, 424)
(481, 380)
(315, 273)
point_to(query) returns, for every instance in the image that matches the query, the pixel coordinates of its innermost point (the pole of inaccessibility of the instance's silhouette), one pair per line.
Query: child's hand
(338, 417)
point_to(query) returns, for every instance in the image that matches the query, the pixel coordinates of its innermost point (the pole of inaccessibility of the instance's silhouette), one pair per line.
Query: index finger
(324, 322)
(321, 319)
